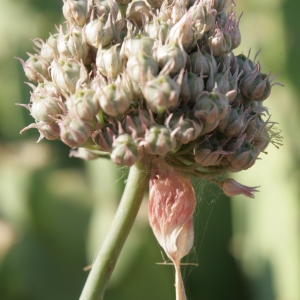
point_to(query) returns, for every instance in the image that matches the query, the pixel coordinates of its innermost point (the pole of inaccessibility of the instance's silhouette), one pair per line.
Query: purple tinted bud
(137, 122)
(209, 152)
(104, 137)
(74, 132)
(211, 107)
(125, 151)
(256, 85)
(220, 42)
(232, 26)
(219, 5)
(159, 140)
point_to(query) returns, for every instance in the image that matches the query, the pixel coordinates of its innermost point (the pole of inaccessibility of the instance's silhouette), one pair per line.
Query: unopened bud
(83, 104)
(140, 67)
(159, 140)
(137, 11)
(74, 132)
(200, 62)
(125, 151)
(83, 153)
(35, 68)
(161, 93)
(191, 87)
(68, 74)
(139, 44)
(104, 137)
(220, 42)
(48, 49)
(115, 98)
(73, 45)
(109, 61)
(76, 12)
(211, 107)
(100, 32)
(158, 29)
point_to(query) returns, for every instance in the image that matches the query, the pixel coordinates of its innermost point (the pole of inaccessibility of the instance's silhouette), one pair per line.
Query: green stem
(106, 259)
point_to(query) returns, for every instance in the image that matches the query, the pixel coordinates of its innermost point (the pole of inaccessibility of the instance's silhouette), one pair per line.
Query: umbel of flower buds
(155, 81)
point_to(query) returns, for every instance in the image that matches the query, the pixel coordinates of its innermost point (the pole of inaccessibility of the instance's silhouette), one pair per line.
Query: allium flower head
(155, 81)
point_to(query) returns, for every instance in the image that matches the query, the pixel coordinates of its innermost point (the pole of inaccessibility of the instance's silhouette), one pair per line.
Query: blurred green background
(55, 210)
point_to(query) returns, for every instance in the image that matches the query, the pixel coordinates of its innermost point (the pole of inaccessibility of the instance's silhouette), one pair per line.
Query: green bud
(115, 98)
(219, 5)
(191, 87)
(200, 62)
(125, 151)
(159, 140)
(50, 131)
(140, 67)
(48, 49)
(83, 104)
(161, 93)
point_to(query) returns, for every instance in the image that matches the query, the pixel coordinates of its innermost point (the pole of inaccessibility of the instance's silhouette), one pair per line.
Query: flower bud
(157, 29)
(221, 18)
(186, 129)
(159, 140)
(83, 104)
(161, 93)
(242, 157)
(77, 12)
(100, 32)
(137, 122)
(115, 98)
(219, 5)
(50, 131)
(192, 86)
(46, 108)
(231, 187)
(44, 90)
(139, 44)
(83, 153)
(125, 151)
(48, 50)
(137, 11)
(200, 62)
(209, 153)
(234, 122)
(203, 17)
(233, 30)
(74, 132)
(182, 33)
(140, 67)
(73, 45)
(172, 57)
(109, 61)
(104, 136)
(35, 68)
(242, 63)
(219, 42)
(255, 85)
(68, 74)
(211, 107)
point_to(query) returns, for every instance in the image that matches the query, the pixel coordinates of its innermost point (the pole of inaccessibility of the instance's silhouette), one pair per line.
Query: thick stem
(106, 259)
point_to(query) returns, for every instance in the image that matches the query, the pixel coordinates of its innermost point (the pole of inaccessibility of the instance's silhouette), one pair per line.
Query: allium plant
(155, 86)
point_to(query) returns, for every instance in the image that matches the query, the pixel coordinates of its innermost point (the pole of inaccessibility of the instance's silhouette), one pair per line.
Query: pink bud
(231, 187)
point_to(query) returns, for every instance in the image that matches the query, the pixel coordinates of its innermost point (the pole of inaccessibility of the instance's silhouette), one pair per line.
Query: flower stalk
(105, 262)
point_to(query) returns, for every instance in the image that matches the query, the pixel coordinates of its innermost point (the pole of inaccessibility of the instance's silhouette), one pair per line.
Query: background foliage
(55, 210)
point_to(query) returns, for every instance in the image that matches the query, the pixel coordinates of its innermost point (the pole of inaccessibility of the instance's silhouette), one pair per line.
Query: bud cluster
(152, 78)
